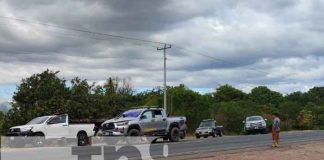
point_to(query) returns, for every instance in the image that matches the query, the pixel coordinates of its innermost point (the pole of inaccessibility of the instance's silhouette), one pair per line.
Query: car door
(146, 122)
(57, 127)
(160, 122)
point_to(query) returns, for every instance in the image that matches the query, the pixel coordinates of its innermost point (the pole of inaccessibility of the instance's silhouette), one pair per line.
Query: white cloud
(275, 43)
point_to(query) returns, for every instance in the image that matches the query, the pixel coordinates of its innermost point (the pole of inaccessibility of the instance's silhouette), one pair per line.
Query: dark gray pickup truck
(209, 127)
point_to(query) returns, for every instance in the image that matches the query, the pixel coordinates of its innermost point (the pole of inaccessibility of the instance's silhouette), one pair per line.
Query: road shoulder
(296, 151)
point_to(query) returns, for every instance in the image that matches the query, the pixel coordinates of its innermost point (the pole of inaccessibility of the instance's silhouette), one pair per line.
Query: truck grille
(108, 126)
(256, 124)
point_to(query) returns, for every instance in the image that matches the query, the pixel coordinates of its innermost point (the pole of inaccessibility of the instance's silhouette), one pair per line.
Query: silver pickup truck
(146, 121)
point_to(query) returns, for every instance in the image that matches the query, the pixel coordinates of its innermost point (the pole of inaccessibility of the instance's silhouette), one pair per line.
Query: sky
(277, 43)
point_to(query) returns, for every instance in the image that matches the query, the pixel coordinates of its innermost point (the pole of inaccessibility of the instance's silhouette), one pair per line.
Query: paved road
(158, 150)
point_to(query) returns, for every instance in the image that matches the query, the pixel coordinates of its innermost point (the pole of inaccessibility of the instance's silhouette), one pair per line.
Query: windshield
(253, 119)
(132, 113)
(206, 124)
(38, 120)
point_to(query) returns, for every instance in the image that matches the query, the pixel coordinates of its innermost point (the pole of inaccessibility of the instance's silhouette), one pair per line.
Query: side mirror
(143, 117)
(243, 121)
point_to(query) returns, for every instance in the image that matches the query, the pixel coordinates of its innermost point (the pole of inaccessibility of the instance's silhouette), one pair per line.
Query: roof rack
(145, 107)
(208, 120)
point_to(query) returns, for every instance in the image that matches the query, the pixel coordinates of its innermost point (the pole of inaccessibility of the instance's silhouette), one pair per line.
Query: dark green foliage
(263, 95)
(228, 93)
(46, 93)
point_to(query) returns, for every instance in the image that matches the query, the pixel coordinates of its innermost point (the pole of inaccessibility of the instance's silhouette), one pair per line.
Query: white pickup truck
(53, 127)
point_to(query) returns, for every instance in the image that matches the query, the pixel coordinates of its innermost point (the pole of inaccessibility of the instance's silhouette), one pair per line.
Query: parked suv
(209, 127)
(255, 124)
(146, 121)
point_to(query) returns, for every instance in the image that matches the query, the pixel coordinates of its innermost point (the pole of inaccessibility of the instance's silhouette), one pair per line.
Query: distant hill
(5, 106)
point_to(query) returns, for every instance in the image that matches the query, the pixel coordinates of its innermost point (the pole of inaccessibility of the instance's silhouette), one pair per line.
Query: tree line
(46, 94)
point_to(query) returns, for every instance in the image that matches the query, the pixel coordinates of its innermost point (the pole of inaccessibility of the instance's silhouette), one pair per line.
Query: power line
(216, 59)
(125, 38)
(87, 37)
(82, 30)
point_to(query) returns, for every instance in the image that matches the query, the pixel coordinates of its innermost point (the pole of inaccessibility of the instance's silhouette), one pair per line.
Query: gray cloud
(276, 43)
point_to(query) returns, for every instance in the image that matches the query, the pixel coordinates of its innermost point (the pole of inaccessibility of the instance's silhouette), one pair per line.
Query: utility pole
(164, 84)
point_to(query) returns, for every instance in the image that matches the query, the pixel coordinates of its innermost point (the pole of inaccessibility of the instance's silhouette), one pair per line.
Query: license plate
(256, 127)
(12, 138)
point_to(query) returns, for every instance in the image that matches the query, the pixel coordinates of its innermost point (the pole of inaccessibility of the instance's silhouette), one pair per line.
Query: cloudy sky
(277, 43)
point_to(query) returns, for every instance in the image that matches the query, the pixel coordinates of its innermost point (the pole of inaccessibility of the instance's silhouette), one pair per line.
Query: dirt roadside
(302, 151)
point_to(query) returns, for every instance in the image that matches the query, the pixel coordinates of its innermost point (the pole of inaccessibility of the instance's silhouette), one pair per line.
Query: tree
(2, 116)
(185, 102)
(317, 112)
(80, 103)
(289, 112)
(228, 93)
(316, 95)
(297, 97)
(263, 95)
(306, 119)
(40, 94)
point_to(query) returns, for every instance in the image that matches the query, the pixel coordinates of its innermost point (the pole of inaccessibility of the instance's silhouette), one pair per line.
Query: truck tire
(220, 134)
(214, 134)
(183, 135)
(133, 136)
(264, 131)
(39, 140)
(133, 133)
(82, 139)
(174, 135)
(197, 136)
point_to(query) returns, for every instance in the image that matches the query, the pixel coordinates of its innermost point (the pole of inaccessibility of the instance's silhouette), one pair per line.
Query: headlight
(122, 123)
(26, 129)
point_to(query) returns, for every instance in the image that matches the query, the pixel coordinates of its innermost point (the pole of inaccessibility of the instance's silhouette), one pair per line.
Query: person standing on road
(275, 130)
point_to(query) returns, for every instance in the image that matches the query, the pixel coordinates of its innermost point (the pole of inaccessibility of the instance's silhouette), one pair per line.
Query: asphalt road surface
(157, 150)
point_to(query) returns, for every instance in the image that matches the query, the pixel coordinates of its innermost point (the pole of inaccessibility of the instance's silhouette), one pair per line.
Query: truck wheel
(38, 140)
(205, 136)
(220, 134)
(174, 135)
(82, 139)
(264, 131)
(134, 133)
(183, 135)
(197, 136)
(213, 134)
(133, 136)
